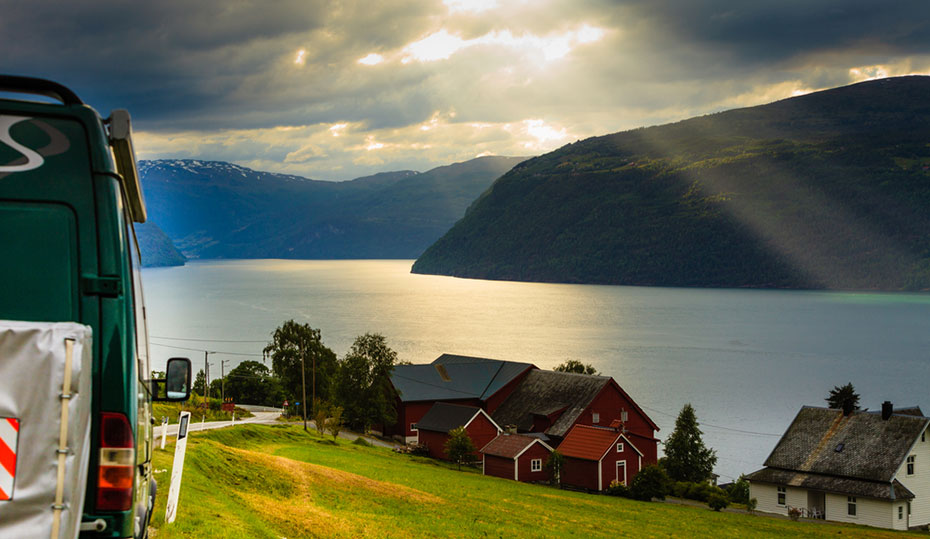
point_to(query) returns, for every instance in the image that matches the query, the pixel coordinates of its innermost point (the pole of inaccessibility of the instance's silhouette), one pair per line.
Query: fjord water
(746, 359)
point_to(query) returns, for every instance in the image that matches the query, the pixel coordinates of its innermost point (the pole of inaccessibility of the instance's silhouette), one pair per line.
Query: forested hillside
(826, 190)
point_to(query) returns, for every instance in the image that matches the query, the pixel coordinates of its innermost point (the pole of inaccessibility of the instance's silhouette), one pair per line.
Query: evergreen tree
(686, 456)
(459, 446)
(843, 398)
(200, 382)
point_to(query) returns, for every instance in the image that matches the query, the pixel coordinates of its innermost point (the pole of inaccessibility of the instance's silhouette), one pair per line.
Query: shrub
(459, 447)
(554, 467)
(739, 491)
(751, 505)
(794, 513)
(617, 488)
(694, 491)
(717, 501)
(651, 482)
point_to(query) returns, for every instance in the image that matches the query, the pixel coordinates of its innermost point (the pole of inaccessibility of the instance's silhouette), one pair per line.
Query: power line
(703, 424)
(202, 340)
(202, 350)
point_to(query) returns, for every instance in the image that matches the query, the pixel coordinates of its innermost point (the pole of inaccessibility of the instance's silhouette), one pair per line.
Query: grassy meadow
(277, 481)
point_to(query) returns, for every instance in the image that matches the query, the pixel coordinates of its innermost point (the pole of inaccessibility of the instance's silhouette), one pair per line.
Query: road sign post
(171, 509)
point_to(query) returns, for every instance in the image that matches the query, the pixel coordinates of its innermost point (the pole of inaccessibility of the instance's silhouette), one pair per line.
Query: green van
(69, 195)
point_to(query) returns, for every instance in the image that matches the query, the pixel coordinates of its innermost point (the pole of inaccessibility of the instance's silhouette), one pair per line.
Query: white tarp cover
(32, 363)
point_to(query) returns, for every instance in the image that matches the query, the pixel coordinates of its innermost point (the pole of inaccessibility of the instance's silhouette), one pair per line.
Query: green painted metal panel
(39, 246)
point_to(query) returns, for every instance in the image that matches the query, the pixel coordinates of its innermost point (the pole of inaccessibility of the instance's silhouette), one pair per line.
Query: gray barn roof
(443, 417)
(452, 377)
(544, 392)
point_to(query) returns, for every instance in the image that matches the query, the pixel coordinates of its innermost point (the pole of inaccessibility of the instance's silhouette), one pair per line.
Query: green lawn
(277, 481)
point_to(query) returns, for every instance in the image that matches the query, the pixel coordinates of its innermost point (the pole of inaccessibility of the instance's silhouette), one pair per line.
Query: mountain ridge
(827, 190)
(215, 209)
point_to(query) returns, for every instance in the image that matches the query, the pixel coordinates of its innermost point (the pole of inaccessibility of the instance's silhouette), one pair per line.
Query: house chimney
(887, 410)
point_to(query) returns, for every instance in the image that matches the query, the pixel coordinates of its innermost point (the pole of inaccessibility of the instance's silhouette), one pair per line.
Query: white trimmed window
(900, 512)
(911, 464)
(536, 465)
(595, 417)
(782, 492)
(851, 506)
(620, 447)
(413, 427)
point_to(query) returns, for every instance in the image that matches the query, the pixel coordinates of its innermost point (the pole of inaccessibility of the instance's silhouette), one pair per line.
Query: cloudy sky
(336, 90)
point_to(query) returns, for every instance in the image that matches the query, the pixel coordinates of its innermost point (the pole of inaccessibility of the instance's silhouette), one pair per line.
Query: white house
(870, 468)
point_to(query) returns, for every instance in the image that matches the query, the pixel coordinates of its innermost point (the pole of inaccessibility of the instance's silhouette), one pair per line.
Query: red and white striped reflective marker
(9, 432)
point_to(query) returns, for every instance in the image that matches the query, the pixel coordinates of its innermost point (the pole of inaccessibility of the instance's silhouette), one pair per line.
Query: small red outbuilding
(517, 457)
(595, 456)
(433, 429)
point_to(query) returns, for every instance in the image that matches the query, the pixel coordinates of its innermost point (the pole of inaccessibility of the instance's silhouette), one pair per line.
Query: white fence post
(174, 490)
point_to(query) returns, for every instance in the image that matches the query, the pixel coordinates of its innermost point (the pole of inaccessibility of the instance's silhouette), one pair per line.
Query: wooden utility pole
(223, 380)
(206, 378)
(313, 403)
(303, 376)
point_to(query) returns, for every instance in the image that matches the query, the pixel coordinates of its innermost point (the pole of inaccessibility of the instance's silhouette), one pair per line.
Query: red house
(469, 381)
(433, 429)
(595, 456)
(517, 457)
(551, 403)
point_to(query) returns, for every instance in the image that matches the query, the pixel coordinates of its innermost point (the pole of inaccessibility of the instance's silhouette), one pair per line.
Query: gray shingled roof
(841, 485)
(541, 392)
(872, 448)
(465, 378)
(443, 417)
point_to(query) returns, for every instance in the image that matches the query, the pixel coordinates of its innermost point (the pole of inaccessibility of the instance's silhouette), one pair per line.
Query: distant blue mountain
(214, 209)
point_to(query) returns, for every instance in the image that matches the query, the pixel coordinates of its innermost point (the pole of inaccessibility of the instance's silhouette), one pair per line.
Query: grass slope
(277, 481)
(827, 190)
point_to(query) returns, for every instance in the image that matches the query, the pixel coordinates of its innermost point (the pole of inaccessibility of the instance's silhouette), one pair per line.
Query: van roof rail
(30, 85)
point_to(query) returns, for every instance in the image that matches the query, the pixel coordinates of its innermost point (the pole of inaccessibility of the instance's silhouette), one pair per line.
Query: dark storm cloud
(226, 78)
(765, 31)
(204, 63)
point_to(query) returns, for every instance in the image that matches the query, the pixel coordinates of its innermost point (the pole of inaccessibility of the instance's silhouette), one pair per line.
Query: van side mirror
(177, 381)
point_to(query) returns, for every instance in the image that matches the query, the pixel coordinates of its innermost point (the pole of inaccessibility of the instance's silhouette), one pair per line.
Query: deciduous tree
(251, 382)
(363, 386)
(686, 456)
(285, 348)
(459, 447)
(573, 365)
(334, 421)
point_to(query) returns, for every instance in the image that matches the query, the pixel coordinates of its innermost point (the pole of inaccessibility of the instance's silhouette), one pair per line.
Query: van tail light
(117, 463)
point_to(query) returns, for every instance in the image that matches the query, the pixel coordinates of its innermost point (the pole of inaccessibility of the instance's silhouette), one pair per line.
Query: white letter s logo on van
(58, 143)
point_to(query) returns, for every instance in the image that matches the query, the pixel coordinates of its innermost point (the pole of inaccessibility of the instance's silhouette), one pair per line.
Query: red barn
(551, 403)
(433, 429)
(469, 381)
(595, 456)
(517, 457)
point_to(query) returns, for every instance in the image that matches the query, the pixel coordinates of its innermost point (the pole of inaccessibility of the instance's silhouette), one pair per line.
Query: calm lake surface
(746, 359)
